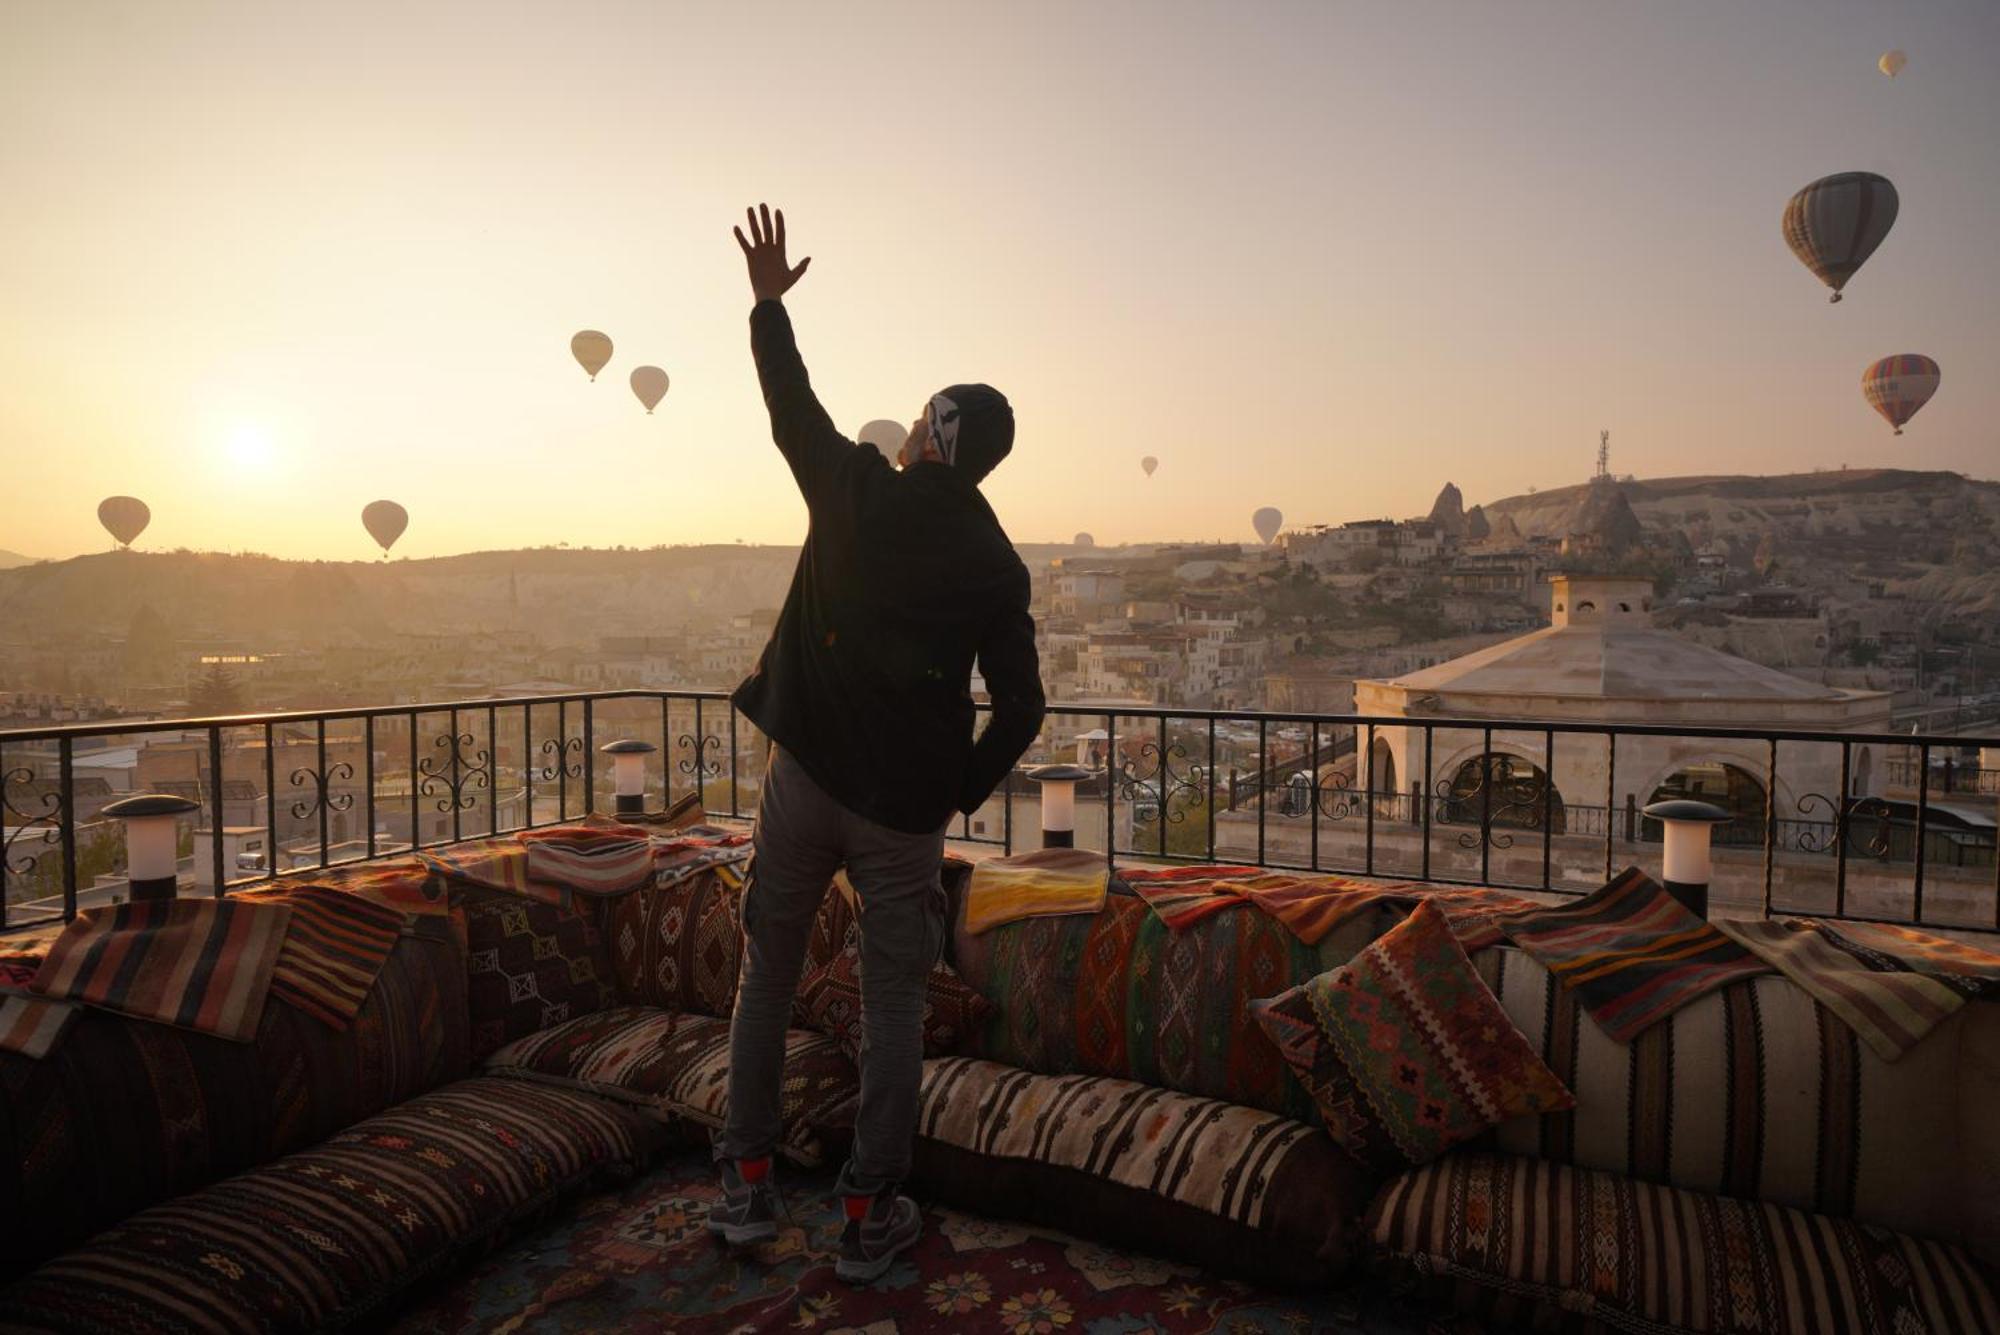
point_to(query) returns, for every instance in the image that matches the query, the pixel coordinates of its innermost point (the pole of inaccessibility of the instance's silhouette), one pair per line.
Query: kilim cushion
(327, 1236)
(1231, 1189)
(528, 965)
(1118, 994)
(1522, 1240)
(125, 1113)
(677, 1065)
(832, 995)
(596, 859)
(1756, 1091)
(1405, 1049)
(679, 946)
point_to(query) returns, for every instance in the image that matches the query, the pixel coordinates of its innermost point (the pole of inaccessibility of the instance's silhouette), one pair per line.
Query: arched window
(1735, 790)
(1520, 797)
(1624, 607)
(1586, 608)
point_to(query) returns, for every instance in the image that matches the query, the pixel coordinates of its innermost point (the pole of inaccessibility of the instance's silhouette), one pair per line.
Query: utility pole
(1604, 454)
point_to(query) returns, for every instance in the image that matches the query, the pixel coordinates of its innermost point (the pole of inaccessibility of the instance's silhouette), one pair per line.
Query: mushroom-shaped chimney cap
(1060, 773)
(1686, 808)
(140, 805)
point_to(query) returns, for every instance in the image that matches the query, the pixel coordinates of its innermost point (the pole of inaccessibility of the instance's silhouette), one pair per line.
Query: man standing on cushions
(904, 581)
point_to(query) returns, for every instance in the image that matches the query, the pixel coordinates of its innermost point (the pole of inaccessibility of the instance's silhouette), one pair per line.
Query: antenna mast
(1604, 454)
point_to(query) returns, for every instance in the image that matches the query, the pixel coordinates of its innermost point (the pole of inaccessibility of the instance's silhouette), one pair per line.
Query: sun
(249, 449)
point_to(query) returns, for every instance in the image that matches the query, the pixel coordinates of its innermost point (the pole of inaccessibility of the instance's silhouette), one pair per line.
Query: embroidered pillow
(1406, 1050)
(529, 966)
(678, 946)
(832, 998)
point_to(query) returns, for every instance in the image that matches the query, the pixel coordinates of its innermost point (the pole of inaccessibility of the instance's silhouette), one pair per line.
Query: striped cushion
(589, 859)
(333, 951)
(326, 1236)
(678, 1065)
(1088, 1153)
(1521, 1239)
(1756, 1092)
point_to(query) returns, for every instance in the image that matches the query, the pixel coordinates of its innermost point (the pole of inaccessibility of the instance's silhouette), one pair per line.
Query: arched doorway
(1734, 789)
(1382, 768)
(1521, 796)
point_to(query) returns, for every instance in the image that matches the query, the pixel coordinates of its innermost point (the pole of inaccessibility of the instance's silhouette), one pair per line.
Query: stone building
(1600, 661)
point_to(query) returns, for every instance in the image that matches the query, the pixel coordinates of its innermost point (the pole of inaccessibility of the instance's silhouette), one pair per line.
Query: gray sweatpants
(802, 837)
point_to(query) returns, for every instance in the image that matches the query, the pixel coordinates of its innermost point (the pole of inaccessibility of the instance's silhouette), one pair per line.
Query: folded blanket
(334, 949)
(497, 864)
(696, 848)
(1182, 896)
(1474, 912)
(596, 859)
(201, 964)
(1890, 1011)
(1045, 882)
(1887, 948)
(1631, 952)
(1312, 906)
(404, 884)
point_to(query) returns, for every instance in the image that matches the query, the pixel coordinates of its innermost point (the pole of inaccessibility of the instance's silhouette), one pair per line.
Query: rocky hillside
(1879, 521)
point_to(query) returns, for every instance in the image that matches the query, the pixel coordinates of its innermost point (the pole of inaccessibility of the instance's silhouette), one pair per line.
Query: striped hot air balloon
(1897, 386)
(1834, 224)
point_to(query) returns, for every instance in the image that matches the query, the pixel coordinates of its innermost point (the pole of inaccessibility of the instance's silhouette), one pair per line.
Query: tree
(216, 693)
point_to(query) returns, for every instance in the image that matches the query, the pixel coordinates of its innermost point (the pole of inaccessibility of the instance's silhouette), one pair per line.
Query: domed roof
(1603, 647)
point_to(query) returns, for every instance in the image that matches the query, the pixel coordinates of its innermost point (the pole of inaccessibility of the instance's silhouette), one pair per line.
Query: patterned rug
(641, 1259)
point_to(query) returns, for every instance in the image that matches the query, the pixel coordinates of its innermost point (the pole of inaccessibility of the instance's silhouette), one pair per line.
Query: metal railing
(366, 783)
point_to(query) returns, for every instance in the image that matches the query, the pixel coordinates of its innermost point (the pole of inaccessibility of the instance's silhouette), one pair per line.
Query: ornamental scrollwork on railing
(1819, 836)
(560, 764)
(43, 827)
(697, 764)
(1880, 814)
(1164, 781)
(459, 770)
(1500, 798)
(321, 782)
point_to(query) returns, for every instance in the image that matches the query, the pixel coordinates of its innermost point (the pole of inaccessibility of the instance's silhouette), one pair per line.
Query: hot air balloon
(385, 522)
(650, 384)
(124, 518)
(591, 350)
(1266, 522)
(1834, 224)
(1084, 540)
(1149, 463)
(1892, 63)
(886, 436)
(1897, 386)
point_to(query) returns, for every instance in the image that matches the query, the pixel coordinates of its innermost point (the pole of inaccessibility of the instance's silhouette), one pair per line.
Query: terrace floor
(640, 1259)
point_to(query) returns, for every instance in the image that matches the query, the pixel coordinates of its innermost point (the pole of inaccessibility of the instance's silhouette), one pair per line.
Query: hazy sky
(261, 264)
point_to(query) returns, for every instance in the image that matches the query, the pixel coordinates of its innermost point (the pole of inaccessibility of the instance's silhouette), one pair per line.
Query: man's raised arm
(803, 432)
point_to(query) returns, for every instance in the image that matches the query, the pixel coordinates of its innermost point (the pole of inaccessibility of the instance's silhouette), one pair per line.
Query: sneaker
(747, 1212)
(871, 1244)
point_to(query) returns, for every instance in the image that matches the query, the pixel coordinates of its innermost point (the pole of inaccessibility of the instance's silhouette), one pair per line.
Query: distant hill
(8, 560)
(563, 595)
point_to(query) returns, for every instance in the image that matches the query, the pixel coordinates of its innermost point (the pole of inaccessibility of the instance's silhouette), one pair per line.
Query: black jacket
(904, 580)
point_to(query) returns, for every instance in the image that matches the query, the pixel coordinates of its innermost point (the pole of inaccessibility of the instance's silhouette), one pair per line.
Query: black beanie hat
(972, 427)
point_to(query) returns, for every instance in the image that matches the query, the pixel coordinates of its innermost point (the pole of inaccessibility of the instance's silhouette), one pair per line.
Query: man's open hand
(770, 276)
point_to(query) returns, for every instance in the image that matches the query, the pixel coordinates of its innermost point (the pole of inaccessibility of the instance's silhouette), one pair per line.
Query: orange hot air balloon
(1892, 63)
(1898, 386)
(650, 384)
(124, 518)
(1149, 463)
(385, 522)
(591, 350)
(1834, 224)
